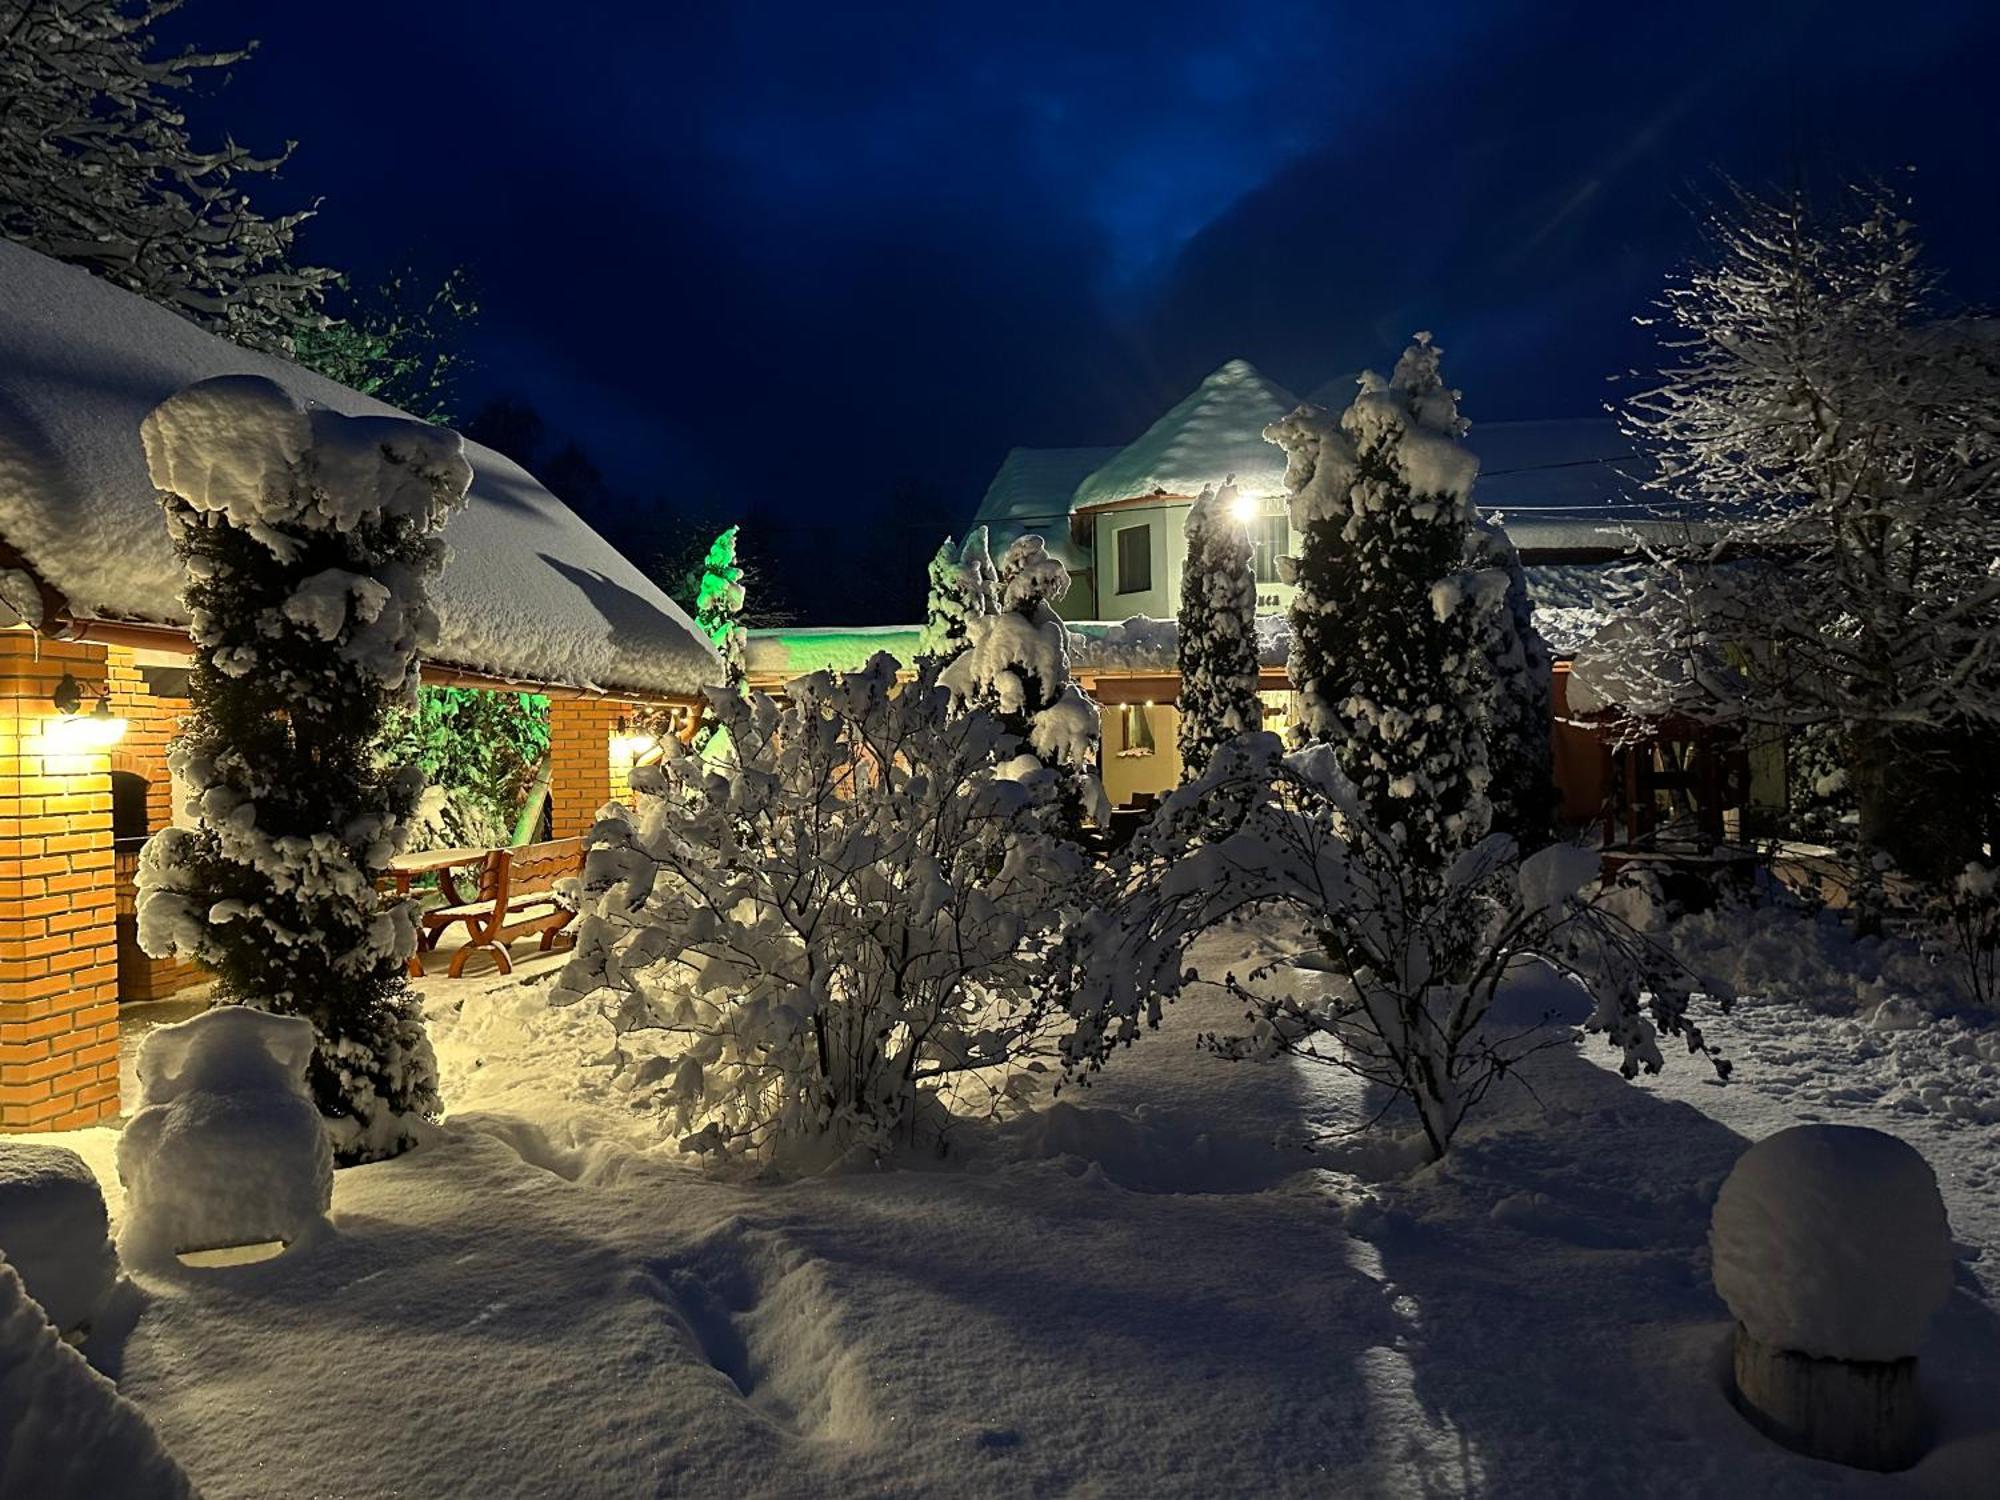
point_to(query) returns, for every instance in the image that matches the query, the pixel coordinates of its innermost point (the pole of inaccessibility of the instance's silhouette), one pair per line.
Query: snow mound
(226, 1147)
(1831, 1240)
(54, 1230)
(65, 1432)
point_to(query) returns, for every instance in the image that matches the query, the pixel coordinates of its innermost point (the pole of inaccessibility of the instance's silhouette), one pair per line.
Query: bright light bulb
(83, 733)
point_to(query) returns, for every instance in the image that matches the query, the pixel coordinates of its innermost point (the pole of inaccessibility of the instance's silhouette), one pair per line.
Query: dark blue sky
(821, 266)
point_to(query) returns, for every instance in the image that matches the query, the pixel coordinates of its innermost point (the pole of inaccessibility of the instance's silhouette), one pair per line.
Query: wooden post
(1862, 1413)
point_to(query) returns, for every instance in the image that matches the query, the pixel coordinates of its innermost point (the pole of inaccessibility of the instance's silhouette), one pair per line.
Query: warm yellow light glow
(633, 748)
(1246, 508)
(79, 734)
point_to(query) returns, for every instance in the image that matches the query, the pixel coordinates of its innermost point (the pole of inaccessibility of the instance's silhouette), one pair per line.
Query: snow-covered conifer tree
(1518, 749)
(947, 605)
(718, 605)
(855, 914)
(1016, 665)
(309, 538)
(1218, 631)
(982, 579)
(1835, 439)
(1388, 627)
(97, 168)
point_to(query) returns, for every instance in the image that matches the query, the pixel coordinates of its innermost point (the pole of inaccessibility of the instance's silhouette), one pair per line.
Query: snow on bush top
(226, 1147)
(1217, 431)
(530, 592)
(1831, 1240)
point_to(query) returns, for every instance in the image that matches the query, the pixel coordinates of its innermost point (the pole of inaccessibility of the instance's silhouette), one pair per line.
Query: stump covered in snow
(1831, 1249)
(54, 1231)
(227, 1147)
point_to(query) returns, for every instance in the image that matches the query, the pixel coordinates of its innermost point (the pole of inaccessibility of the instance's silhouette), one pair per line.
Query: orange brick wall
(582, 773)
(151, 724)
(58, 956)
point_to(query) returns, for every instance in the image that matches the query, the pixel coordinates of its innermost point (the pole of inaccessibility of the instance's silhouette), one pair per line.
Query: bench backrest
(534, 869)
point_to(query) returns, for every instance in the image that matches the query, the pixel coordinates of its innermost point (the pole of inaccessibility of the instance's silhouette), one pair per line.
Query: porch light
(630, 745)
(76, 732)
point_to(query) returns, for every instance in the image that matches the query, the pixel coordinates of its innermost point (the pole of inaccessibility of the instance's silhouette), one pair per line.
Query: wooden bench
(517, 896)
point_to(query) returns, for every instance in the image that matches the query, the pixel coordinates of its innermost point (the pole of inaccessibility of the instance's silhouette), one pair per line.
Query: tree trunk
(1862, 1413)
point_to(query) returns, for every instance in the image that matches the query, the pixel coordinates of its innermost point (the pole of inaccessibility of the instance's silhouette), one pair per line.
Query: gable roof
(530, 594)
(1218, 430)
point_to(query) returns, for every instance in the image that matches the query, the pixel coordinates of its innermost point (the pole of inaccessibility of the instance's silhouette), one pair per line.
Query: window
(1269, 536)
(1135, 559)
(1136, 725)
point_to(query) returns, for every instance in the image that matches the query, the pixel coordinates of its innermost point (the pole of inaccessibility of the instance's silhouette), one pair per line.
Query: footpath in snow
(1152, 1288)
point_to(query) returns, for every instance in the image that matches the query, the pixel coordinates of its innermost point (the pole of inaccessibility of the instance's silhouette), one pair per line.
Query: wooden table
(405, 868)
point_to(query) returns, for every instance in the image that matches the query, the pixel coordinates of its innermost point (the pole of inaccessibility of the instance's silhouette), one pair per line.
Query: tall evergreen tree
(1519, 752)
(309, 539)
(1218, 631)
(1388, 665)
(97, 168)
(718, 604)
(947, 605)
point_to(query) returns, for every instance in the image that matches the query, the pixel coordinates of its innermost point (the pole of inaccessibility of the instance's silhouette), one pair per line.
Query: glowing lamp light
(631, 745)
(79, 733)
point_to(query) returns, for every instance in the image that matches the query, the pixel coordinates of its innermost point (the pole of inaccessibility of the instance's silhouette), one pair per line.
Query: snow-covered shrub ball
(1830, 1240)
(227, 1146)
(54, 1231)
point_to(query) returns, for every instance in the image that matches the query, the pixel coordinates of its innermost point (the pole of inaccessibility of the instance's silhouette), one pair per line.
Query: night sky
(817, 268)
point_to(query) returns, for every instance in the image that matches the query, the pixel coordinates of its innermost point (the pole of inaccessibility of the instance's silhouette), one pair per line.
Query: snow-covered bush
(1389, 660)
(1408, 958)
(860, 906)
(97, 167)
(55, 1232)
(1834, 438)
(226, 1146)
(1016, 667)
(65, 1432)
(308, 540)
(1831, 1240)
(1217, 639)
(1967, 915)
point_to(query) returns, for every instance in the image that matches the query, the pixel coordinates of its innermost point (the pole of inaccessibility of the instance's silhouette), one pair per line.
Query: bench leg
(500, 956)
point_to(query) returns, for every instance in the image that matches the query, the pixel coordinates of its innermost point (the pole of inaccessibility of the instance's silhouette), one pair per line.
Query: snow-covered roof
(782, 654)
(531, 593)
(1031, 492)
(1217, 431)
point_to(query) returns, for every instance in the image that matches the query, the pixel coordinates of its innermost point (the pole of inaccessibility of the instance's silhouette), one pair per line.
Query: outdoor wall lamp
(631, 745)
(77, 732)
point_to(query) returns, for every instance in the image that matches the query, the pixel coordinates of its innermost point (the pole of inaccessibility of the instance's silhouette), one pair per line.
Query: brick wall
(58, 956)
(581, 771)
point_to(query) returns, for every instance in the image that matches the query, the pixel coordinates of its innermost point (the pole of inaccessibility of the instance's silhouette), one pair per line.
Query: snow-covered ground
(1151, 1288)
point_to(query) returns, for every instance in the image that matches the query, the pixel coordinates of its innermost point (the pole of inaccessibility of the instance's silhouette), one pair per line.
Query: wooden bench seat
(516, 898)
